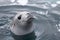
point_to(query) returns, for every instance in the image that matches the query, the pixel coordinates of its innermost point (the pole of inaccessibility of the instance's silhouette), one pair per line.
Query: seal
(22, 28)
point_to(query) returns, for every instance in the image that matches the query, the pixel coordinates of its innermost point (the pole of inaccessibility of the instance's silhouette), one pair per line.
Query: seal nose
(19, 17)
(30, 20)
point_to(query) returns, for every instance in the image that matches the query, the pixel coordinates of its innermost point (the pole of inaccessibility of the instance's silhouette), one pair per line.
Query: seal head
(22, 23)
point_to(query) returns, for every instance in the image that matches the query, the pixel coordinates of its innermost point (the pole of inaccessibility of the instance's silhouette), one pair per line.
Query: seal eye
(19, 17)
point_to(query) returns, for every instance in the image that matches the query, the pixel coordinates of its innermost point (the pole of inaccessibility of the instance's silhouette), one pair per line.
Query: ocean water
(46, 23)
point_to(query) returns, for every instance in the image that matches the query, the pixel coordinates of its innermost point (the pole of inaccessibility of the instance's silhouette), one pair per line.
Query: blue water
(45, 23)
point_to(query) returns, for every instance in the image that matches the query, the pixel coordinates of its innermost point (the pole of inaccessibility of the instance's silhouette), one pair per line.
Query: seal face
(22, 23)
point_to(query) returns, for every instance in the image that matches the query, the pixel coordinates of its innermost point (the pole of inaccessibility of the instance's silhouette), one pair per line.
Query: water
(46, 23)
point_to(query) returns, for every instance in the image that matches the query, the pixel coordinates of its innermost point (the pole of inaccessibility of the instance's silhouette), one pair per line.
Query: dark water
(45, 23)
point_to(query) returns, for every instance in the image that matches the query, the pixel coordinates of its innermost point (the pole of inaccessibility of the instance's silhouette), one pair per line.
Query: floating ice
(58, 2)
(22, 2)
(59, 30)
(12, 0)
(53, 5)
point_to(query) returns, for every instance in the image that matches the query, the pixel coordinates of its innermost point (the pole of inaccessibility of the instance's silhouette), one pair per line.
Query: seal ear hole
(19, 17)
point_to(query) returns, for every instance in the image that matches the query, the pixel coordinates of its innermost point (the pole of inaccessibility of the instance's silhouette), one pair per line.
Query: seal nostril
(19, 17)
